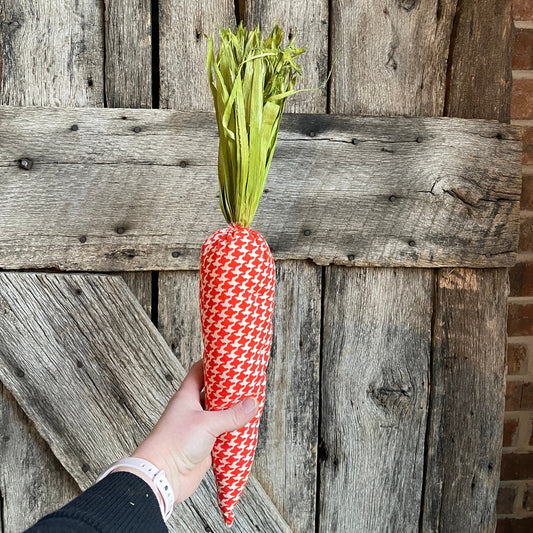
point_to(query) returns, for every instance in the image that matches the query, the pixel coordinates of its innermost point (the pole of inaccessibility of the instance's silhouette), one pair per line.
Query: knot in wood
(393, 398)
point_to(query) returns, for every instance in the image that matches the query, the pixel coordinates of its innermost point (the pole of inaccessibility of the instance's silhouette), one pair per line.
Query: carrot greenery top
(251, 81)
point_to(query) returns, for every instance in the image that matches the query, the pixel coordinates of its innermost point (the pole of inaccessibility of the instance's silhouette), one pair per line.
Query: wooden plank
(178, 318)
(89, 332)
(470, 323)
(467, 399)
(454, 199)
(308, 21)
(481, 29)
(392, 57)
(286, 457)
(51, 54)
(140, 284)
(374, 382)
(183, 49)
(33, 482)
(128, 41)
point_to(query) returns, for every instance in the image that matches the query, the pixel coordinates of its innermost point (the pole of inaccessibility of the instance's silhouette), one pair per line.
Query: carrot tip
(228, 518)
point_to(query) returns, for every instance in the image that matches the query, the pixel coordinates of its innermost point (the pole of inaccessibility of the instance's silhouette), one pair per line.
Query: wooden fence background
(386, 385)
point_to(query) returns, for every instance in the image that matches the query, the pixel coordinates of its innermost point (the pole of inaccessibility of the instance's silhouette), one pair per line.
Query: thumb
(233, 418)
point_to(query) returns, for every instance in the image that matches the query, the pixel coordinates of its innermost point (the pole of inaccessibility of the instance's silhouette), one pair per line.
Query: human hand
(181, 441)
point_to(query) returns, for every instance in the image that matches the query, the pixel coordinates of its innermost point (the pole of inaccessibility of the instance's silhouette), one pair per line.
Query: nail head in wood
(419, 139)
(120, 231)
(25, 163)
(19, 373)
(312, 134)
(392, 198)
(83, 238)
(488, 254)
(137, 129)
(307, 232)
(183, 164)
(412, 243)
(355, 141)
(79, 364)
(351, 257)
(175, 254)
(74, 127)
(85, 467)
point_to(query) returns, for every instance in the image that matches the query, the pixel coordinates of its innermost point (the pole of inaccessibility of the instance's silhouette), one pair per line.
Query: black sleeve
(121, 503)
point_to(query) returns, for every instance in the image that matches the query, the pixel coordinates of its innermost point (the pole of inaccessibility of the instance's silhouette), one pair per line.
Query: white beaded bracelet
(157, 477)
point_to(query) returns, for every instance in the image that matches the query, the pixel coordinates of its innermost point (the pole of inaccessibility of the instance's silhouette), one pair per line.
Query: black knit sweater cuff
(121, 503)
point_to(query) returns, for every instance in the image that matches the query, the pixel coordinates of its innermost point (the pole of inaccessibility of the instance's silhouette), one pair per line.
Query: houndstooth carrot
(251, 82)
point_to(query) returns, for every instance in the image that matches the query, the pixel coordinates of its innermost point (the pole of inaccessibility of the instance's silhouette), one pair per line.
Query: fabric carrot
(250, 80)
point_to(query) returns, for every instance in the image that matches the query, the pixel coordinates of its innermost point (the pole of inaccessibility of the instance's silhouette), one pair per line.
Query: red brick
(526, 200)
(519, 319)
(515, 525)
(516, 359)
(517, 466)
(513, 395)
(510, 432)
(522, 10)
(526, 402)
(523, 49)
(505, 501)
(522, 99)
(525, 242)
(521, 279)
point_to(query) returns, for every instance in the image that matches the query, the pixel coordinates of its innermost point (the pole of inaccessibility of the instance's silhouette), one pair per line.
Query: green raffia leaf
(250, 80)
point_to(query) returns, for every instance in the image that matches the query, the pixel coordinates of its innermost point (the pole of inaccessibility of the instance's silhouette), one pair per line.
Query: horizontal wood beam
(133, 189)
(93, 374)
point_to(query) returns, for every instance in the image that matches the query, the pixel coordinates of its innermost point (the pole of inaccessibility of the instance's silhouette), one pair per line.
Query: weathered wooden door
(391, 233)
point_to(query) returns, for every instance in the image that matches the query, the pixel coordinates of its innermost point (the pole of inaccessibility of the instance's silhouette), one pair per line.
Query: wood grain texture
(467, 399)
(468, 402)
(135, 199)
(481, 29)
(286, 456)
(128, 59)
(51, 53)
(392, 56)
(308, 21)
(375, 388)
(183, 49)
(32, 481)
(140, 284)
(90, 332)
(179, 314)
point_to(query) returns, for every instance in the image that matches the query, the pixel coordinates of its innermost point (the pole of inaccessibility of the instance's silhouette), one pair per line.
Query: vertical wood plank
(392, 56)
(128, 41)
(50, 55)
(393, 62)
(128, 65)
(286, 456)
(481, 29)
(374, 381)
(179, 314)
(468, 397)
(183, 50)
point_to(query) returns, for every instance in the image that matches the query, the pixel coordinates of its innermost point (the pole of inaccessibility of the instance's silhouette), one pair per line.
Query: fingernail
(249, 405)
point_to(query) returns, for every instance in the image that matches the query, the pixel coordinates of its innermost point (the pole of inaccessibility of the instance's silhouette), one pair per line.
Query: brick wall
(515, 497)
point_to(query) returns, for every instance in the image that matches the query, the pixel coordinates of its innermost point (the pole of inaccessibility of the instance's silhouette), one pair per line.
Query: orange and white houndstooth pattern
(237, 284)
